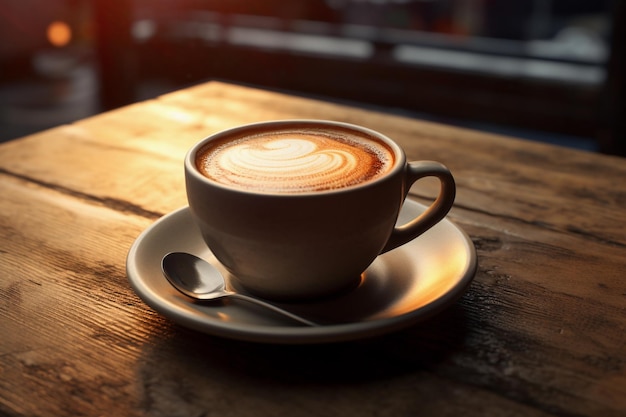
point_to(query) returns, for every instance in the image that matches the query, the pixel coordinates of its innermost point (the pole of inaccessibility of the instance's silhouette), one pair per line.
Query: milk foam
(292, 162)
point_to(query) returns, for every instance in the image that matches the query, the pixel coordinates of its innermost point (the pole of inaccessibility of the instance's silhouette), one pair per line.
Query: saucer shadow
(179, 351)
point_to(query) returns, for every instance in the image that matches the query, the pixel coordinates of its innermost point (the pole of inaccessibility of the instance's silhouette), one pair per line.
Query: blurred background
(547, 70)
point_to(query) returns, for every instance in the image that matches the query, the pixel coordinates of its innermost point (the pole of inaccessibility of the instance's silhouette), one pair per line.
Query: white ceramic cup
(293, 246)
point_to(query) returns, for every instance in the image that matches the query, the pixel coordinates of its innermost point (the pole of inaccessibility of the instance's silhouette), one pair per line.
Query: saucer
(401, 287)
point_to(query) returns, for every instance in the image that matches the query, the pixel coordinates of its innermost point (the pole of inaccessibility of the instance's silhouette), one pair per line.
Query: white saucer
(404, 286)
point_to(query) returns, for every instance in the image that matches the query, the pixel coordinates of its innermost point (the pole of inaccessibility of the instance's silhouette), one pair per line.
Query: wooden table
(541, 330)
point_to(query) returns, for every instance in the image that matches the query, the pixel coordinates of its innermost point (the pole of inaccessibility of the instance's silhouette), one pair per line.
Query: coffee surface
(295, 161)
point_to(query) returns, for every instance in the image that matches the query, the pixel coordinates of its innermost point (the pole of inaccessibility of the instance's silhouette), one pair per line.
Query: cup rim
(398, 164)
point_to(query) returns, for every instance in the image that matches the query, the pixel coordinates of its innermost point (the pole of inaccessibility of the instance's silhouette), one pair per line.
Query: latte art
(292, 162)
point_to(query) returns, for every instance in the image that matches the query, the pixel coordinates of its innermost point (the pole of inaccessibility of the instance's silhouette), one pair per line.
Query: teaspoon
(198, 279)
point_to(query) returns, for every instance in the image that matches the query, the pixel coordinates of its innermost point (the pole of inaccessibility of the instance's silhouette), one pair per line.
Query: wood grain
(540, 332)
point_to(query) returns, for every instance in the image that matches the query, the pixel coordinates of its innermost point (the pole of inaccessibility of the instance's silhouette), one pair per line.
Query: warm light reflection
(438, 276)
(59, 33)
(223, 316)
(182, 116)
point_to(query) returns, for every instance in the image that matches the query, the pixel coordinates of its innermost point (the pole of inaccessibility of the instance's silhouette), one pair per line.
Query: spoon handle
(273, 308)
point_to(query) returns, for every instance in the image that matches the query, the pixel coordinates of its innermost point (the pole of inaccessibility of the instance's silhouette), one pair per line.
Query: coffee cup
(298, 209)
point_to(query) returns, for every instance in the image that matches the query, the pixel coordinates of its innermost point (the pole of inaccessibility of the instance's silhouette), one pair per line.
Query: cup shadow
(387, 284)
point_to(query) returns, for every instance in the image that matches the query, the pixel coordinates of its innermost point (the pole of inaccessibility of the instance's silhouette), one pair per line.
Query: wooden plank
(71, 327)
(147, 183)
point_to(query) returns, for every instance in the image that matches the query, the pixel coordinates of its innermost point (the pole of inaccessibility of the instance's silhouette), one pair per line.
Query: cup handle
(437, 210)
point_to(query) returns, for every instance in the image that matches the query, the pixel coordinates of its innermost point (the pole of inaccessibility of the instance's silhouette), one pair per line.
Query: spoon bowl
(198, 279)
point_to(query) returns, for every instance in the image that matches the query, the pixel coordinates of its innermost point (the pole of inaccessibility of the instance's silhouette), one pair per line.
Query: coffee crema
(295, 161)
